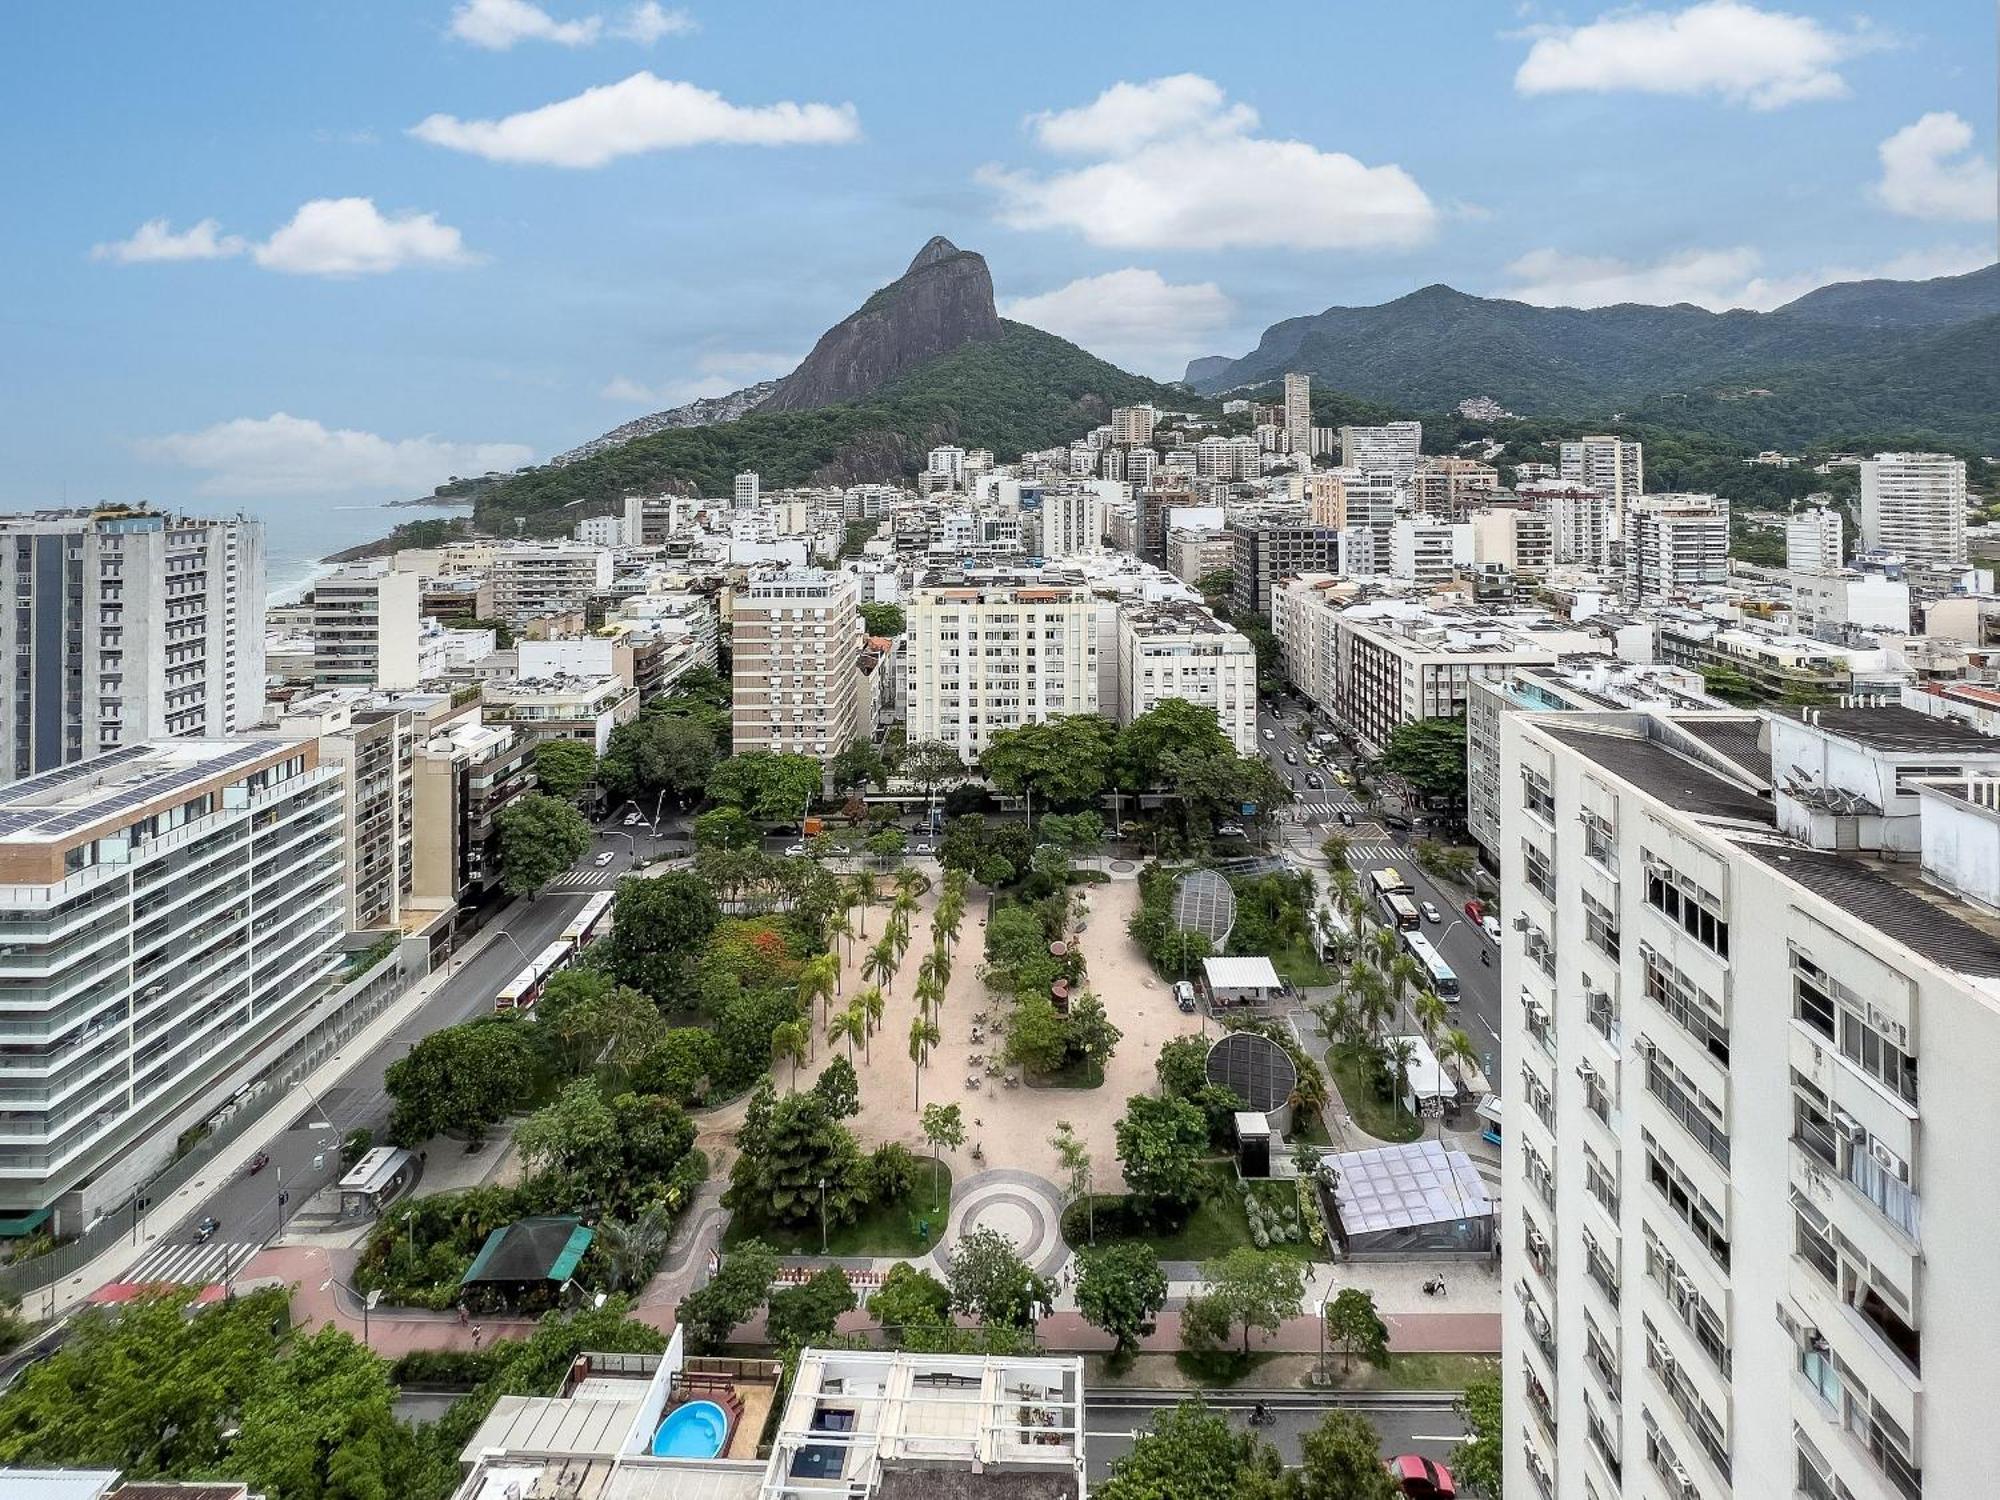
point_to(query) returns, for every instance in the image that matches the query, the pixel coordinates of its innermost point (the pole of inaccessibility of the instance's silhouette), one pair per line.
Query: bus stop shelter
(374, 1180)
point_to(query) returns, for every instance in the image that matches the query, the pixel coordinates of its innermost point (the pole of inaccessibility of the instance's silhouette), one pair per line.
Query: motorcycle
(1485, 959)
(1262, 1415)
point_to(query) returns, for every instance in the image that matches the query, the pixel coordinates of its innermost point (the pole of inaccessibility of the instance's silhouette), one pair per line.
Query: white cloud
(1133, 317)
(1127, 115)
(1930, 172)
(641, 113)
(498, 24)
(156, 240)
(717, 373)
(1763, 58)
(351, 237)
(1715, 279)
(287, 455)
(1182, 170)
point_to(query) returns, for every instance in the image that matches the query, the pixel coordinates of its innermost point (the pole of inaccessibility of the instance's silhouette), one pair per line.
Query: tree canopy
(658, 753)
(1160, 1142)
(1064, 762)
(1119, 1288)
(563, 768)
(1430, 755)
(540, 837)
(770, 787)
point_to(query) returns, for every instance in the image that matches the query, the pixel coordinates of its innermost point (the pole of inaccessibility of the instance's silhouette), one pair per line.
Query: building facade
(1673, 544)
(1613, 466)
(1267, 553)
(365, 628)
(1913, 505)
(998, 653)
(534, 579)
(795, 664)
(1180, 650)
(1815, 540)
(1298, 413)
(1393, 447)
(124, 626)
(1450, 489)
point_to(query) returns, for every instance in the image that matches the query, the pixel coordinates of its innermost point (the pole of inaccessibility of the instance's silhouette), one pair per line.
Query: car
(1398, 822)
(1184, 995)
(1422, 1478)
(796, 851)
(1491, 927)
(1316, 781)
(1341, 776)
(633, 820)
(921, 849)
(1346, 819)
(1475, 910)
(605, 858)
(1291, 757)
(1270, 734)
(205, 1227)
(1229, 830)
(1430, 911)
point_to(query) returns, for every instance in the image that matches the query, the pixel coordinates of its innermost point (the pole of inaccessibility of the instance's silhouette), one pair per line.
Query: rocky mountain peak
(935, 249)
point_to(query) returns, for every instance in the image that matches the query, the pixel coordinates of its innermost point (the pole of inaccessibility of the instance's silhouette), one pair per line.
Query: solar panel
(1259, 1071)
(1205, 903)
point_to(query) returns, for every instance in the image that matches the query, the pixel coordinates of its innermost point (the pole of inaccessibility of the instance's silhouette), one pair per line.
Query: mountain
(1858, 351)
(943, 301)
(704, 411)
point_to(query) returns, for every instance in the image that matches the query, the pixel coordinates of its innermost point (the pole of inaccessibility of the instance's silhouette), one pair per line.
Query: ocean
(298, 533)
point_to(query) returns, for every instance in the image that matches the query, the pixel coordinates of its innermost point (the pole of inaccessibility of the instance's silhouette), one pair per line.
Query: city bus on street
(592, 921)
(1387, 882)
(525, 988)
(1443, 982)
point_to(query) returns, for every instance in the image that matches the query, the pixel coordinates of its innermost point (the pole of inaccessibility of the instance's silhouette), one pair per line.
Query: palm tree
(1456, 1051)
(924, 1035)
(819, 980)
(1396, 1058)
(1309, 1093)
(879, 967)
(859, 891)
(908, 882)
(788, 1040)
(935, 966)
(839, 924)
(928, 992)
(851, 1024)
(898, 933)
(1387, 944)
(1431, 1013)
(1404, 974)
(872, 1006)
(632, 1251)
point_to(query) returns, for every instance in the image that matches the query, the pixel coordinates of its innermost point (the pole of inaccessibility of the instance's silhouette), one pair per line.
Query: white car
(1431, 913)
(1229, 830)
(633, 820)
(1492, 929)
(920, 848)
(1270, 734)
(796, 851)
(604, 859)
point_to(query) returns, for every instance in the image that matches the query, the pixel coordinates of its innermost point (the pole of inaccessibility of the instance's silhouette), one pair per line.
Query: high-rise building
(997, 652)
(749, 491)
(795, 654)
(1298, 413)
(1674, 543)
(1140, 465)
(1179, 650)
(375, 738)
(1913, 504)
(1451, 488)
(1613, 466)
(1133, 424)
(1426, 551)
(1580, 516)
(1513, 537)
(1749, 965)
(1269, 552)
(1815, 540)
(173, 909)
(1072, 520)
(365, 627)
(1393, 447)
(534, 579)
(947, 468)
(124, 626)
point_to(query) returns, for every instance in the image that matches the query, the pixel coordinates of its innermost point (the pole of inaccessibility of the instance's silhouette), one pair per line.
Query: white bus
(591, 922)
(526, 987)
(1442, 981)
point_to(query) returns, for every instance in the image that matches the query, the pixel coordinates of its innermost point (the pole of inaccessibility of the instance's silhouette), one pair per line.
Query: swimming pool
(697, 1429)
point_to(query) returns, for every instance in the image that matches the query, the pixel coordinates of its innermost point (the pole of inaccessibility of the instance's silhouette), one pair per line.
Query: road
(1373, 848)
(1113, 1418)
(306, 1156)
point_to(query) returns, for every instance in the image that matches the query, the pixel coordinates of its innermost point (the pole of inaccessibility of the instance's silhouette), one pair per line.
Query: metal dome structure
(1204, 902)
(1259, 1071)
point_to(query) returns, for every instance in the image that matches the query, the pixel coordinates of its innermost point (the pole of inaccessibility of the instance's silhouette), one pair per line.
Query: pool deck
(757, 1400)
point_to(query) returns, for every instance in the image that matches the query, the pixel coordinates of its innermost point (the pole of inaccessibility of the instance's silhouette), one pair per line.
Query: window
(1685, 1001)
(1697, 912)
(1877, 1056)
(1697, 1113)
(1535, 865)
(1812, 1002)
(1600, 926)
(1680, 1194)
(1538, 795)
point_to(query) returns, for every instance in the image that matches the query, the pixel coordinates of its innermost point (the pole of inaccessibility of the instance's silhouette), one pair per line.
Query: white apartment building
(1180, 650)
(171, 911)
(1193, 554)
(1140, 466)
(375, 738)
(1428, 552)
(126, 625)
(1519, 540)
(1451, 488)
(533, 579)
(585, 708)
(1133, 424)
(1298, 413)
(748, 491)
(1232, 458)
(1673, 544)
(947, 467)
(1395, 446)
(1913, 505)
(795, 663)
(1581, 516)
(996, 653)
(365, 628)
(1815, 540)
(603, 531)
(1072, 520)
(1613, 466)
(1752, 972)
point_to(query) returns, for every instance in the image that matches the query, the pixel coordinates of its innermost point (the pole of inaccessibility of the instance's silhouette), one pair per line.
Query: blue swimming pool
(695, 1430)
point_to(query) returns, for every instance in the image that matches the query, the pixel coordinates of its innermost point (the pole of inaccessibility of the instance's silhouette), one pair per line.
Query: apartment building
(1073, 520)
(1231, 458)
(1180, 650)
(562, 707)
(1815, 540)
(1269, 552)
(796, 644)
(1581, 517)
(171, 912)
(126, 625)
(1000, 651)
(749, 490)
(1674, 544)
(374, 736)
(946, 468)
(1133, 424)
(1513, 537)
(365, 627)
(466, 773)
(534, 579)
(1913, 505)
(1450, 489)
(1428, 552)
(1298, 413)
(1613, 466)
(1751, 966)
(1393, 447)
(1194, 554)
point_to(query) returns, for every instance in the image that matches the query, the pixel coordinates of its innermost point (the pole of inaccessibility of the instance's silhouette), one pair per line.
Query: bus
(1442, 981)
(591, 922)
(1402, 912)
(526, 987)
(1386, 882)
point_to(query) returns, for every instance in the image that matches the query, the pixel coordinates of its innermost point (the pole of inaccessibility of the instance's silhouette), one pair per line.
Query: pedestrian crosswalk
(1366, 854)
(583, 880)
(1326, 811)
(182, 1263)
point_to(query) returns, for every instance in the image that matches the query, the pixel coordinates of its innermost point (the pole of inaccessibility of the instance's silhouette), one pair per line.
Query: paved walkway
(1024, 1208)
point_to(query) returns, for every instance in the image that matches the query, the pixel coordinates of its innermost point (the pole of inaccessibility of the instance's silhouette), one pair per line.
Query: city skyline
(483, 225)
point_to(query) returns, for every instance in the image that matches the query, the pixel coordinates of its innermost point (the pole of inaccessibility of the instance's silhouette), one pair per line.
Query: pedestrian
(476, 1331)
(464, 1317)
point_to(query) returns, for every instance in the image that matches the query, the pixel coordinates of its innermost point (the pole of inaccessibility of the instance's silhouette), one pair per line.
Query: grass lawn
(1216, 1226)
(1297, 962)
(1386, 1120)
(1078, 1073)
(883, 1228)
(1209, 1367)
(1412, 1372)
(1308, 1129)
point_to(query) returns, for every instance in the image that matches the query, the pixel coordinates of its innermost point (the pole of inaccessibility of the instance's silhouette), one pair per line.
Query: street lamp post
(822, 1216)
(368, 1303)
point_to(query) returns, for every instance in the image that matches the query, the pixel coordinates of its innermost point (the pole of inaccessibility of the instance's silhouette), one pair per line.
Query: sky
(331, 251)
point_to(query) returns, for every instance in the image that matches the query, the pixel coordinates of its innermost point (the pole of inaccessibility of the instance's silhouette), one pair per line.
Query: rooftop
(61, 801)
(1892, 899)
(1894, 729)
(1626, 748)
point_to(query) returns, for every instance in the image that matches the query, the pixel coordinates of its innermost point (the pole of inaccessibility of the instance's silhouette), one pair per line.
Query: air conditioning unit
(1683, 1284)
(1888, 1161)
(1521, 924)
(1850, 1127)
(1586, 1072)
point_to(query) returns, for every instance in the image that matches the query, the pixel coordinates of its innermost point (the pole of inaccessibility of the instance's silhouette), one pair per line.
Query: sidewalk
(76, 1289)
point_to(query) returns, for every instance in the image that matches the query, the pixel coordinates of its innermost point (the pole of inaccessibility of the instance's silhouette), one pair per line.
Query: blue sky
(308, 250)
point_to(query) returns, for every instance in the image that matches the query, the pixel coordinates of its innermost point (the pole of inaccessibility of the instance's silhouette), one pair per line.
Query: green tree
(1160, 1143)
(322, 1423)
(990, 1281)
(777, 1176)
(883, 619)
(741, 1285)
(1174, 731)
(658, 924)
(931, 764)
(1341, 1459)
(1430, 755)
(1476, 1462)
(909, 1297)
(1355, 1328)
(563, 768)
(1074, 1156)
(1037, 1037)
(1090, 1032)
(1251, 1289)
(1120, 1289)
(1182, 1067)
(575, 1137)
(725, 828)
(807, 1313)
(1192, 1452)
(1215, 588)
(1078, 835)
(460, 1080)
(681, 1066)
(540, 837)
(771, 788)
(658, 753)
(839, 1086)
(1063, 762)
(595, 1021)
(1017, 946)
(889, 844)
(857, 764)
(944, 1128)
